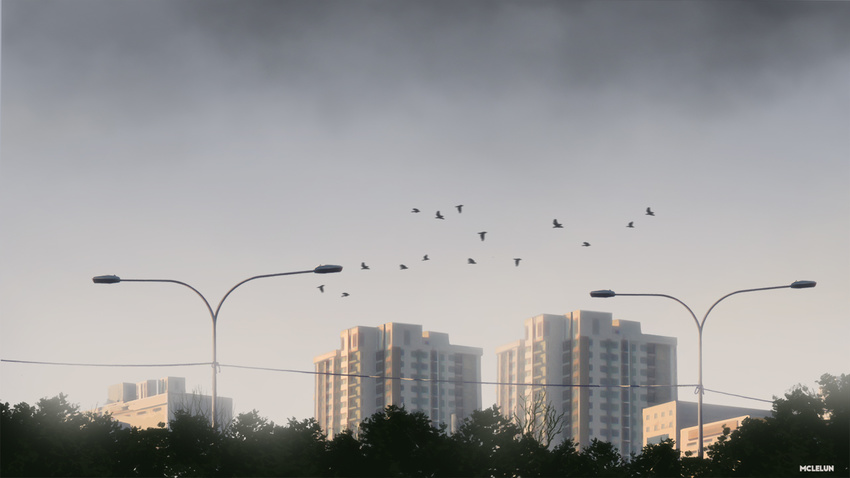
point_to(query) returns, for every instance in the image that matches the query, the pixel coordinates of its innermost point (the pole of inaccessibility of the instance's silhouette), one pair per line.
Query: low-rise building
(149, 403)
(677, 420)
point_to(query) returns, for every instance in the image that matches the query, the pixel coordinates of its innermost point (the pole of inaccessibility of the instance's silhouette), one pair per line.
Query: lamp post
(113, 279)
(803, 284)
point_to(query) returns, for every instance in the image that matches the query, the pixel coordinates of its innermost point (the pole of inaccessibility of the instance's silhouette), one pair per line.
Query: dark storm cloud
(151, 60)
(499, 47)
(473, 47)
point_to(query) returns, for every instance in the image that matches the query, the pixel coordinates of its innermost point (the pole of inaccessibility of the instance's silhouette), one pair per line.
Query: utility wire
(736, 395)
(380, 377)
(107, 365)
(446, 380)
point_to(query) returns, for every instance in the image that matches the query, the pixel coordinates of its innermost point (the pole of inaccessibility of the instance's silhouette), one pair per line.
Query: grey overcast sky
(211, 141)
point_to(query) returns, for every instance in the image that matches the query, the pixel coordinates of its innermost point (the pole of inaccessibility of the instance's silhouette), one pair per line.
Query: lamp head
(110, 279)
(603, 293)
(803, 284)
(327, 269)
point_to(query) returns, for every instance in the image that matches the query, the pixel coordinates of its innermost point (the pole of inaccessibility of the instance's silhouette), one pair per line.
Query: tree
(661, 459)
(806, 428)
(54, 438)
(538, 418)
(398, 443)
(193, 446)
(601, 459)
(299, 449)
(486, 441)
(248, 448)
(344, 457)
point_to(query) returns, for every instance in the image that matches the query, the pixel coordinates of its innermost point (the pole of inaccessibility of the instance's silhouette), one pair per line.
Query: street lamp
(802, 284)
(113, 279)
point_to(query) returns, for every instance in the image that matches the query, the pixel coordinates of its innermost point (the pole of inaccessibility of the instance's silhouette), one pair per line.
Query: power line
(445, 380)
(107, 365)
(736, 395)
(383, 377)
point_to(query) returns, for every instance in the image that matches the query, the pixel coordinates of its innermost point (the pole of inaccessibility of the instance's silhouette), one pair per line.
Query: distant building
(598, 372)
(677, 420)
(395, 364)
(148, 403)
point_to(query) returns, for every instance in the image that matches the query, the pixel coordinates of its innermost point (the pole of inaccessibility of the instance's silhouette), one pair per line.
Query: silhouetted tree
(193, 446)
(806, 428)
(661, 459)
(300, 448)
(54, 438)
(486, 444)
(537, 418)
(398, 443)
(344, 457)
(601, 459)
(248, 448)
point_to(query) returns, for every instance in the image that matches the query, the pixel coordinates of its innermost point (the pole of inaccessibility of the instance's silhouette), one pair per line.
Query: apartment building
(595, 372)
(395, 364)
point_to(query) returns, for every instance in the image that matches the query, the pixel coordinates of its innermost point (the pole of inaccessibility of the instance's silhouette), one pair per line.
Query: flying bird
(321, 288)
(516, 261)
(631, 224)
(585, 244)
(482, 234)
(414, 210)
(402, 266)
(425, 258)
(345, 294)
(439, 216)
(556, 224)
(649, 212)
(363, 266)
(459, 208)
(471, 261)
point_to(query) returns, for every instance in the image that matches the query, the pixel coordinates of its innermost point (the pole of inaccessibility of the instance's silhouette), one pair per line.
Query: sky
(213, 141)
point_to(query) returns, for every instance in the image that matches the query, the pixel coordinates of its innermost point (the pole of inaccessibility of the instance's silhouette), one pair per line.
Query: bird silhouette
(414, 210)
(631, 224)
(482, 234)
(471, 261)
(425, 258)
(363, 266)
(321, 288)
(649, 212)
(516, 261)
(459, 208)
(585, 244)
(556, 224)
(345, 294)
(402, 266)
(439, 216)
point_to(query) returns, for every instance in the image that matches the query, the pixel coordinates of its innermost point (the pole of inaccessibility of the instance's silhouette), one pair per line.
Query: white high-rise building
(395, 364)
(598, 373)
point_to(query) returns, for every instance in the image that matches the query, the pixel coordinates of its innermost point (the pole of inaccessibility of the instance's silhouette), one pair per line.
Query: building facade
(597, 373)
(148, 403)
(395, 364)
(677, 420)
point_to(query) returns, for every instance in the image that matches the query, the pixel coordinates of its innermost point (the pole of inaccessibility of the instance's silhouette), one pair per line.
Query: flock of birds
(482, 235)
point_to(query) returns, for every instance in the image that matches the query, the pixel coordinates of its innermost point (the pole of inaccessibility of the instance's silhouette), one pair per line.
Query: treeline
(53, 438)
